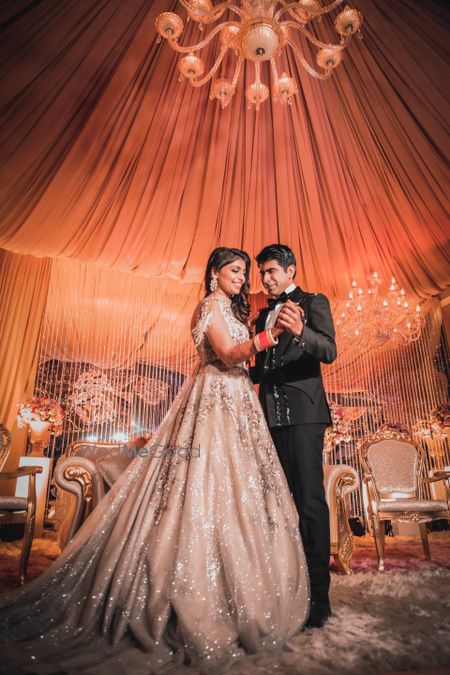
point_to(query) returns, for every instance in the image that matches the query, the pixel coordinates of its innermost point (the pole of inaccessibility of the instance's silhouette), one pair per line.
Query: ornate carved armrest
(372, 492)
(339, 481)
(79, 477)
(21, 471)
(30, 471)
(439, 476)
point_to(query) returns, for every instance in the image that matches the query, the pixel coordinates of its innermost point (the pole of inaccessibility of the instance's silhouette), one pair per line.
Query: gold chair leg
(26, 548)
(378, 533)
(343, 564)
(425, 543)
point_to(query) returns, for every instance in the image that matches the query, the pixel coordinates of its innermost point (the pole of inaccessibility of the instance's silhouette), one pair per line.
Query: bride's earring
(213, 284)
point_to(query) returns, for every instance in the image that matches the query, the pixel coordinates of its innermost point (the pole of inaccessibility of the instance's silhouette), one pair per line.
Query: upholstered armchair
(339, 481)
(396, 487)
(83, 474)
(16, 510)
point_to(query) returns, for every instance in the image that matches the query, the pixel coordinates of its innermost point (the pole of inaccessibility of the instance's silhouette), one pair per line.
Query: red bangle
(264, 340)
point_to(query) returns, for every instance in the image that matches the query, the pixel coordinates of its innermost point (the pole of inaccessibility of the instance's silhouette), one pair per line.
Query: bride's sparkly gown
(194, 557)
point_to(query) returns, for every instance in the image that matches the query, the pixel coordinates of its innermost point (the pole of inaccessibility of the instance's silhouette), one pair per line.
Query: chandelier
(370, 315)
(263, 29)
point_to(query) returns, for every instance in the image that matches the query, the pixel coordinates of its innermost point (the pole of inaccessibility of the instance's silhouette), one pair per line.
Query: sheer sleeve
(214, 323)
(201, 320)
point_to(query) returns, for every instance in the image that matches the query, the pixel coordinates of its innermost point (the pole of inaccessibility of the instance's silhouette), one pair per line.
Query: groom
(292, 395)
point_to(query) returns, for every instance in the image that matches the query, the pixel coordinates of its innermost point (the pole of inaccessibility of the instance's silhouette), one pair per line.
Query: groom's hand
(290, 318)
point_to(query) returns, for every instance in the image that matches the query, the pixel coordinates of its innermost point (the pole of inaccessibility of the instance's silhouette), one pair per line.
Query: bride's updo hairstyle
(224, 256)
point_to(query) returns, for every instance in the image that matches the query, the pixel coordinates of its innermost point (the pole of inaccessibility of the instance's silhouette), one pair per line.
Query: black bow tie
(273, 302)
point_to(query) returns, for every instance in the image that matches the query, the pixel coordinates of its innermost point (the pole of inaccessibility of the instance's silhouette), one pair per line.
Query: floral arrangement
(339, 432)
(41, 409)
(440, 418)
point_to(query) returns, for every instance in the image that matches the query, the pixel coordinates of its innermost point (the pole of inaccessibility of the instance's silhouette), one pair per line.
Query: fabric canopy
(24, 283)
(106, 158)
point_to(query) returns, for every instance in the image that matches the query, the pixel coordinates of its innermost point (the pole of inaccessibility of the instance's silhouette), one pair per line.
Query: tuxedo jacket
(291, 387)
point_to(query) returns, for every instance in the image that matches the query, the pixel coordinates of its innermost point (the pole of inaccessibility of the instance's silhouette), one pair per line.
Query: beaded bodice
(237, 330)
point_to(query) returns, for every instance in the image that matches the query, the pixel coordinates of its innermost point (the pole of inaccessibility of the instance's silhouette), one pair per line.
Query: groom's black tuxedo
(289, 375)
(294, 403)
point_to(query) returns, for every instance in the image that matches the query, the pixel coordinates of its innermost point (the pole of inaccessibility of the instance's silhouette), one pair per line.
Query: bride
(191, 556)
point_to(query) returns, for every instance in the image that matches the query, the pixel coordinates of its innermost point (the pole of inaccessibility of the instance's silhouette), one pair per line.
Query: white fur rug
(387, 622)
(382, 623)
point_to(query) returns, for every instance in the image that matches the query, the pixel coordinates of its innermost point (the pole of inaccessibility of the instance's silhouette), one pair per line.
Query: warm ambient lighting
(258, 35)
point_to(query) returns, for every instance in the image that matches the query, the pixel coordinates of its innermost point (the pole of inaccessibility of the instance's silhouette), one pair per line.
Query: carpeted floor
(382, 623)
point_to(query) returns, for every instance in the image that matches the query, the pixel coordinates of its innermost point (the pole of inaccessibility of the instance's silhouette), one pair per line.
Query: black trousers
(300, 449)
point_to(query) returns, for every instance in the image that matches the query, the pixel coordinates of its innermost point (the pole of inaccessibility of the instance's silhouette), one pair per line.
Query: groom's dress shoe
(318, 615)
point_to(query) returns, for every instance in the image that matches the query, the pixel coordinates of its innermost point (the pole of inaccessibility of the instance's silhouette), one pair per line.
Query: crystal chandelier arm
(257, 72)
(194, 48)
(273, 68)
(216, 11)
(208, 76)
(309, 36)
(305, 64)
(294, 5)
(237, 71)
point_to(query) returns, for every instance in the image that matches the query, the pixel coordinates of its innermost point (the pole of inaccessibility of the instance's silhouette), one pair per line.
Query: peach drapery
(24, 282)
(107, 158)
(112, 319)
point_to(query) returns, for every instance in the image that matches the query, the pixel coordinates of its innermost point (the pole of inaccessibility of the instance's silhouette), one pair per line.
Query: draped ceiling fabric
(24, 283)
(106, 158)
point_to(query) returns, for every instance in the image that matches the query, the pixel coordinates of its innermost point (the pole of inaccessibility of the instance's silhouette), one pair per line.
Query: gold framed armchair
(393, 474)
(15, 510)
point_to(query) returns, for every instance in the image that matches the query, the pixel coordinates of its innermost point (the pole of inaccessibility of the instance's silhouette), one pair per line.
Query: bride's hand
(276, 331)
